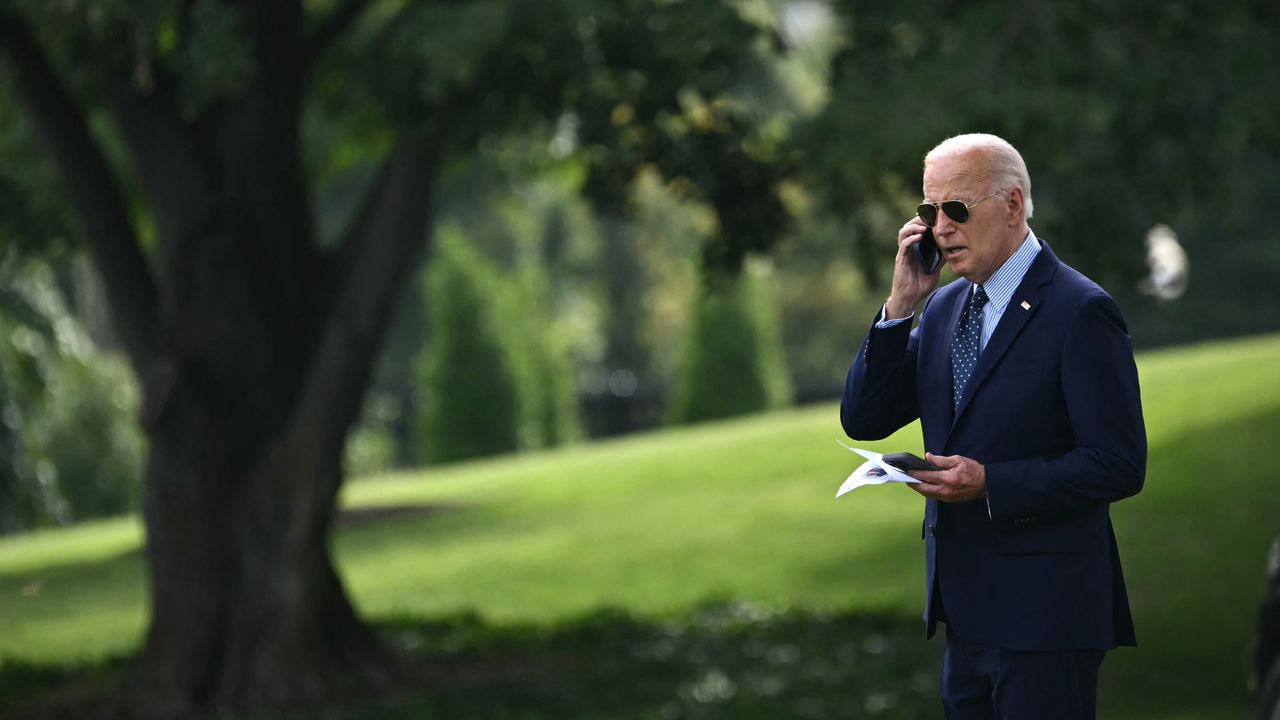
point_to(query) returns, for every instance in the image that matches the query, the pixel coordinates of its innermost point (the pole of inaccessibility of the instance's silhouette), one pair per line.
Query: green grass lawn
(658, 526)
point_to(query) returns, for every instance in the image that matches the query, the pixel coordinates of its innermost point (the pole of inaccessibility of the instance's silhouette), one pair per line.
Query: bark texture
(254, 349)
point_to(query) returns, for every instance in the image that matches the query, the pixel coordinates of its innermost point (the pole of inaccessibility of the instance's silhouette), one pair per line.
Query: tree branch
(131, 289)
(377, 261)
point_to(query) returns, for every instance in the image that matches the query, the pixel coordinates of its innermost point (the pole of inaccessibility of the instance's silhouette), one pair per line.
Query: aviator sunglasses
(955, 209)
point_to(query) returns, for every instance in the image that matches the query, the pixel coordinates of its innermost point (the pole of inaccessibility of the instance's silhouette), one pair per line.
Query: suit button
(933, 530)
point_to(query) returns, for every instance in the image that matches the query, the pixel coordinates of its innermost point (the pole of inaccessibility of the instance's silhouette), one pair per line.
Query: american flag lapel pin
(1026, 305)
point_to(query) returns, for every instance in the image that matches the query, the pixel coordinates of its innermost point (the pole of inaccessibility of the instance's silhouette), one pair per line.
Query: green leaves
(69, 446)
(469, 395)
(1128, 114)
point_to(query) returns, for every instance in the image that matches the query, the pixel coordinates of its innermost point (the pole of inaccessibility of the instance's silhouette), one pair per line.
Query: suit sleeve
(1100, 385)
(880, 391)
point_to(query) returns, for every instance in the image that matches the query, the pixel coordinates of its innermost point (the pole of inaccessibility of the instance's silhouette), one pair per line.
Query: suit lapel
(1015, 318)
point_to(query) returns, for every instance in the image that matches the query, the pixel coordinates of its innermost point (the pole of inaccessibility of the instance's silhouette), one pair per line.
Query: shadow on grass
(1194, 546)
(725, 661)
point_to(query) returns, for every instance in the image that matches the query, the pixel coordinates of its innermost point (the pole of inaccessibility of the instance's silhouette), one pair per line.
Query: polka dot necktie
(967, 343)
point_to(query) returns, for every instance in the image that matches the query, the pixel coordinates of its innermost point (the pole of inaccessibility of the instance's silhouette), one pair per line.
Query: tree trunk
(248, 404)
(248, 611)
(254, 348)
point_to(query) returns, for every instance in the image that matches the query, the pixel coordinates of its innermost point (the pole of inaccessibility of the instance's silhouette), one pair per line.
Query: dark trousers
(995, 684)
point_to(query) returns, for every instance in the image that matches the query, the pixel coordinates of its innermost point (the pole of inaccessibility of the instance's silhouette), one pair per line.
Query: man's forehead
(955, 173)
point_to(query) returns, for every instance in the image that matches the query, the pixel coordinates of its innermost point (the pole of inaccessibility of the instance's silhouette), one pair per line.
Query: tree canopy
(190, 139)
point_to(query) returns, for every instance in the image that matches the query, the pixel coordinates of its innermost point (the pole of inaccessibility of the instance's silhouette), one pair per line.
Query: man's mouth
(952, 251)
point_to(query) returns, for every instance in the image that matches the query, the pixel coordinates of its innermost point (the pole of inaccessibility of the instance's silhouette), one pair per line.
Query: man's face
(979, 247)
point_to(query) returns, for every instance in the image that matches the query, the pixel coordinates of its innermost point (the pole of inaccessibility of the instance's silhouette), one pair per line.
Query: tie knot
(979, 297)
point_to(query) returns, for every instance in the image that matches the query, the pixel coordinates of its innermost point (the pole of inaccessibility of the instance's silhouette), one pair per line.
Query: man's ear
(1014, 206)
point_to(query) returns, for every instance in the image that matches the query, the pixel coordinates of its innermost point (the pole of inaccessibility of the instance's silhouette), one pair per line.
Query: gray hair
(1005, 167)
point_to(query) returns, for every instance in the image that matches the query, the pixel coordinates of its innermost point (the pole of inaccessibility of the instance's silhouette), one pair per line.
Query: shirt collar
(1003, 282)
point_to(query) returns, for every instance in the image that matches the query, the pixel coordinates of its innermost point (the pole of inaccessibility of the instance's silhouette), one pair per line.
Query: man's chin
(959, 268)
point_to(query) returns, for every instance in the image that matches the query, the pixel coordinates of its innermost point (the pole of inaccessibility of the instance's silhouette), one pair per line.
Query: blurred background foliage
(658, 212)
(70, 448)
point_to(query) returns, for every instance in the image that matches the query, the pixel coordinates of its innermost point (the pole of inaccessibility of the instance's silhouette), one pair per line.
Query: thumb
(946, 461)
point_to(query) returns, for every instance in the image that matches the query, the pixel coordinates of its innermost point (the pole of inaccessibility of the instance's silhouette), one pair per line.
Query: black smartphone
(905, 461)
(927, 252)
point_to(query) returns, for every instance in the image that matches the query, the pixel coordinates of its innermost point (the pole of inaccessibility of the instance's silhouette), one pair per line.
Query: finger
(911, 234)
(904, 262)
(932, 477)
(927, 489)
(914, 229)
(945, 461)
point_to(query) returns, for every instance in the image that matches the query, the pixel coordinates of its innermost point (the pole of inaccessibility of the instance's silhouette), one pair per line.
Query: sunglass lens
(956, 210)
(928, 213)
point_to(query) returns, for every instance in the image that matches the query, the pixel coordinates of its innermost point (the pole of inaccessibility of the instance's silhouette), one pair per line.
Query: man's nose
(944, 225)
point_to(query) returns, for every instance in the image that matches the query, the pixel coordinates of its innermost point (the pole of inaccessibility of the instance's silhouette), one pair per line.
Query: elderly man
(1022, 375)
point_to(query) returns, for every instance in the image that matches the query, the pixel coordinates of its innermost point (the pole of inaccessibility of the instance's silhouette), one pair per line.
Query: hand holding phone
(905, 461)
(915, 272)
(927, 252)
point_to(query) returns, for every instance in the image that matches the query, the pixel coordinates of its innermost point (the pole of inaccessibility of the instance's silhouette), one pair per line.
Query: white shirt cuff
(882, 324)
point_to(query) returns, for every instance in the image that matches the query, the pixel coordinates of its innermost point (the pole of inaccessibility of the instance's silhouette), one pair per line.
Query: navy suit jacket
(1053, 412)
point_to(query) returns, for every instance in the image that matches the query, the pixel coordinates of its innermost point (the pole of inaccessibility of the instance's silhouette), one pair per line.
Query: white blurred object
(1170, 269)
(803, 20)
